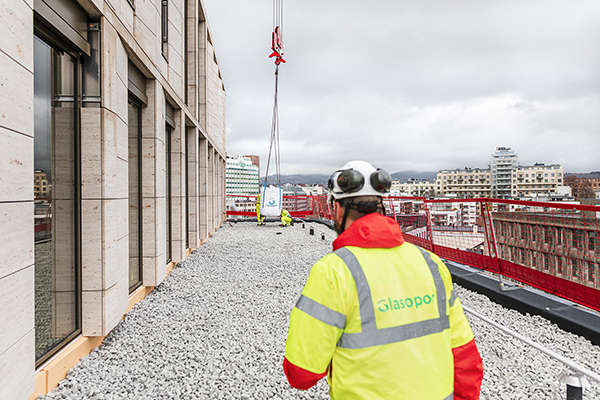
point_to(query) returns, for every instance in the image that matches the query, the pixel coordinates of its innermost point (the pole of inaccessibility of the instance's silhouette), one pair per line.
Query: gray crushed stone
(216, 328)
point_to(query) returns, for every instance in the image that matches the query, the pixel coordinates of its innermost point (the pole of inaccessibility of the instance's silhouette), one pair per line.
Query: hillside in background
(406, 175)
(316, 179)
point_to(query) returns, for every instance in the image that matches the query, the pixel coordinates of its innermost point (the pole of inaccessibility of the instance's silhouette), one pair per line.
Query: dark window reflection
(56, 289)
(169, 207)
(135, 259)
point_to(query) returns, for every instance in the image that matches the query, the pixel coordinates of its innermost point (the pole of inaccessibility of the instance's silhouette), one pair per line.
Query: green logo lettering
(390, 304)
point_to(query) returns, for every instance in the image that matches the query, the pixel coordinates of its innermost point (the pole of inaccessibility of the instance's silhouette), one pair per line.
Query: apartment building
(414, 188)
(561, 244)
(582, 184)
(535, 180)
(502, 163)
(464, 183)
(113, 169)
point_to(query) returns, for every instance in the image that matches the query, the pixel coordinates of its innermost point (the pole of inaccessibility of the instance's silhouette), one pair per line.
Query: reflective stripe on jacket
(382, 321)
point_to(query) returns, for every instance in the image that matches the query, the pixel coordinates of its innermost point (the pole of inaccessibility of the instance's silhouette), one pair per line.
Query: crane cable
(277, 47)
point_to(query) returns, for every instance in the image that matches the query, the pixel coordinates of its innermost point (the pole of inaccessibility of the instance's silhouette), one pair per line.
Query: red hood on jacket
(371, 231)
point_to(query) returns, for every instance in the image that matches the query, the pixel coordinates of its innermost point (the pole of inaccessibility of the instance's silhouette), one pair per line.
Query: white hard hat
(359, 178)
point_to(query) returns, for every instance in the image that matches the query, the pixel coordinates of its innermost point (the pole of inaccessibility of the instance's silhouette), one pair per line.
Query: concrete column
(192, 55)
(210, 190)
(17, 338)
(153, 186)
(193, 187)
(178, 187)
(203, 181)
(104, 173)
(201, 84)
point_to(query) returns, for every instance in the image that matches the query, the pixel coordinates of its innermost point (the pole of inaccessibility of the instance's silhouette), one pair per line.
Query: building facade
(241, 176)
(464, 183)
(502, 163)
(584, 185)
(536, 180)
(562, 245)
(113, 167)
(414, 187)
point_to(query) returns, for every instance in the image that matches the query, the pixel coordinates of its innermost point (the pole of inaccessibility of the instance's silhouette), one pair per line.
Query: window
(168, 194)
(56, 198)
(549, 234)
(570, 234)
(524, 232)
(559, 236)
(575, 267)
(547, 262)
(579, 239)
(187, 147)
(592, 240)
(164, 27)
(561, 265)
(135, 194)
(592, 268)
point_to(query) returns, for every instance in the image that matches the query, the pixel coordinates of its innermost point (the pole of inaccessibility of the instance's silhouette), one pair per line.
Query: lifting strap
(277, 47)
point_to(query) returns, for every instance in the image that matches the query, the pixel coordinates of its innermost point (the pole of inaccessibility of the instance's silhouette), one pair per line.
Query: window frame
(43, 34)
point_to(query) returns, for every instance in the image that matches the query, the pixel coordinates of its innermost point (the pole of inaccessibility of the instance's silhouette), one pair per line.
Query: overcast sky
(413, 85)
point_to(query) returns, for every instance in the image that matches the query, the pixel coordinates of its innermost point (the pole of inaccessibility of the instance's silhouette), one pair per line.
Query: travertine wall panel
(16, 311)
(17, 366)
(204, 191)
(16, 31)
(193, 187)
(126, 34)
(16, 236)
(16, 164)
(91, 254)
(16, 96)
(178, 187)
(91, 153)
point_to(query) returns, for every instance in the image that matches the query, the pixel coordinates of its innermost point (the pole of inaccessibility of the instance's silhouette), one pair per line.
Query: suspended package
(270, 201)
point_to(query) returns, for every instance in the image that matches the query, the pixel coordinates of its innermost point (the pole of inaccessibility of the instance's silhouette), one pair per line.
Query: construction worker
(379, 315)
(260, 219)
(286, 219)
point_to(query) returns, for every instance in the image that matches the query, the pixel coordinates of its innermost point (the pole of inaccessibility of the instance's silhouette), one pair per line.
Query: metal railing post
(575, 382)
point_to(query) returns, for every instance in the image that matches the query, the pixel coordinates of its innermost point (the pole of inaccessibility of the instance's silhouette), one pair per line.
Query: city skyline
(414, 85)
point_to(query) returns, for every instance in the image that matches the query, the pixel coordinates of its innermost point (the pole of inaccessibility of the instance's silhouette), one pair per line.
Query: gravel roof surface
(216, 329)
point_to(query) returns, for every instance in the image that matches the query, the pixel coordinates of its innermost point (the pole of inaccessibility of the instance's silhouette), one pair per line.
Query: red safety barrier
(552, 246)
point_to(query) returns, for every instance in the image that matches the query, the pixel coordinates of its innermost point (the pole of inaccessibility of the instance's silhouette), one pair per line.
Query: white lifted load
(271, 201)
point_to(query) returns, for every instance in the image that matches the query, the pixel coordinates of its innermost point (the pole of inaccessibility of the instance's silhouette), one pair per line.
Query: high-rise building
(501, 166)
(241, 176)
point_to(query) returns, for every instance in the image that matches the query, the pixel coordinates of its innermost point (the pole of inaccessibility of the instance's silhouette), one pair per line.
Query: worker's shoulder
(330, 262)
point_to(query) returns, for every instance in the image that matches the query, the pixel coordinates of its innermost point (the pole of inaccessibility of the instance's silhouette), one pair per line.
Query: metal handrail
(565, 361)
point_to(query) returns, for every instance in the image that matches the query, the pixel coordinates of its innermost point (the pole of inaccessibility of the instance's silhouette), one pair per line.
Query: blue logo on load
(272, 202)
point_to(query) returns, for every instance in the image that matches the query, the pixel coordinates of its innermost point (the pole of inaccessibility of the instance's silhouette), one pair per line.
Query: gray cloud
(417, 85)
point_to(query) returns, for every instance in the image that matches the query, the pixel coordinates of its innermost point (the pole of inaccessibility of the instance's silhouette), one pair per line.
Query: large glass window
(187, 192)
(169, 207)
(135, 198)
(164, 26)
(56, 193)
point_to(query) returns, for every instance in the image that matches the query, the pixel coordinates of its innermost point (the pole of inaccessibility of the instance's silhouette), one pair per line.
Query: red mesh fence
(551, 246)
(298, 206)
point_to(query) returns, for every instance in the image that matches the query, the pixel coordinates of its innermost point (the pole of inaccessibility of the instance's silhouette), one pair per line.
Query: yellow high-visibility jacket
(382, 320)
